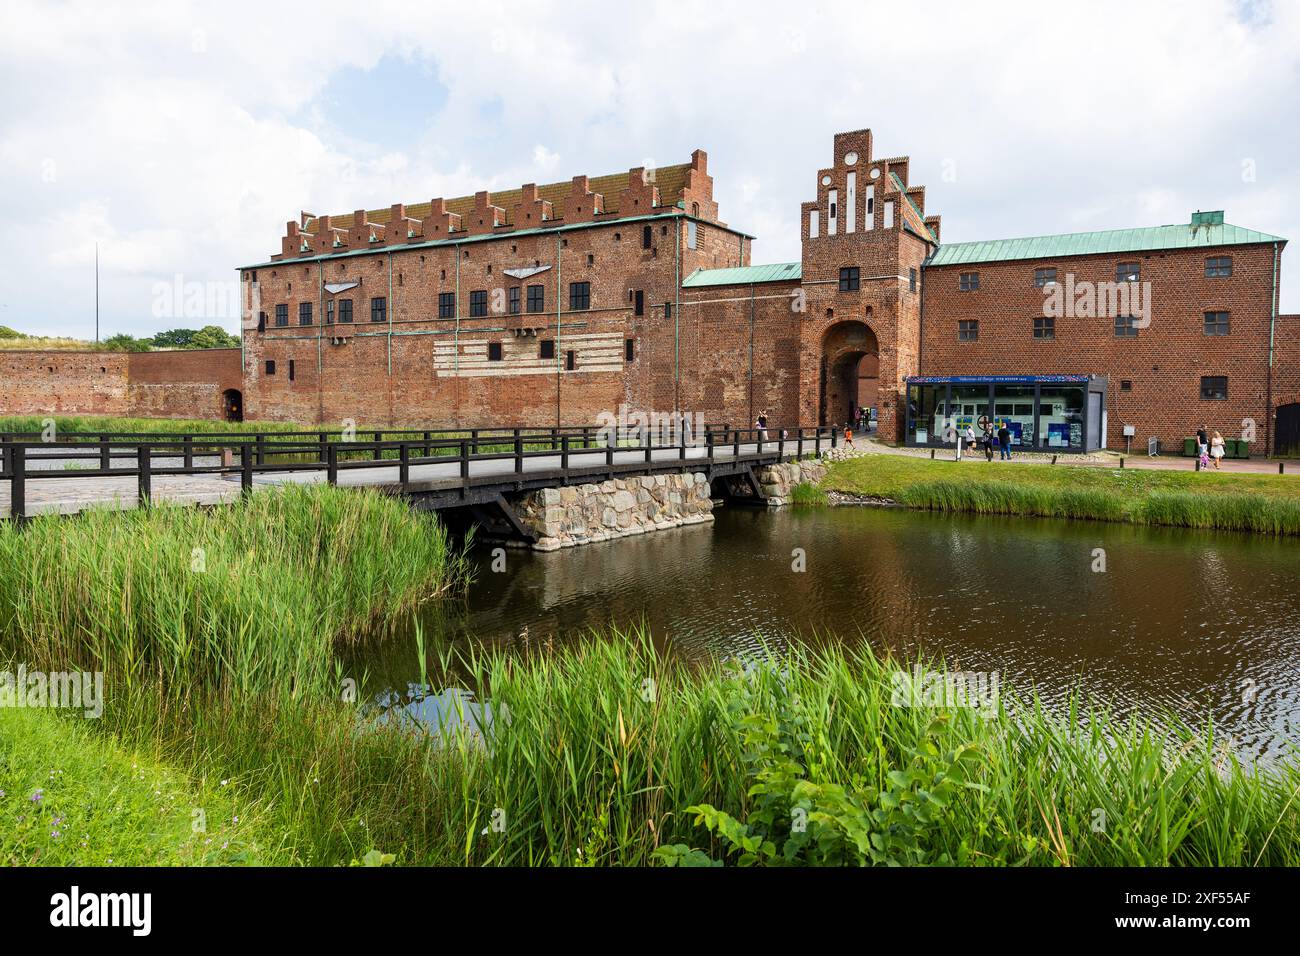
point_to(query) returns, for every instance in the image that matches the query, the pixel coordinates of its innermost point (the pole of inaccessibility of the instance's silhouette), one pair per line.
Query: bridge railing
(209, 456)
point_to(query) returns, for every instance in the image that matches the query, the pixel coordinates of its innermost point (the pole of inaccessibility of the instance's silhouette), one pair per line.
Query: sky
(181, 137)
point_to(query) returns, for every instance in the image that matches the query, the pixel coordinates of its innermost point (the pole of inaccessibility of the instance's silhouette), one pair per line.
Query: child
(848, 437)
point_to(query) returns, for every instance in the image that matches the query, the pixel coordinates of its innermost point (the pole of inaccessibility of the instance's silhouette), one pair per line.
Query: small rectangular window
(911, 280)
(570, 360)
(629, 350)
(281, 315)
(304, 313)
(690, 234)
(446, 305)
(261, 321)
(647, 237)
(494, 352)
(536, 298)
(579, 296)
(546, 349)
(291, 369)
(270, 366)
(329, 311)
(1044, 277)
(969, 281)
(1216, 323)
(1044, 327)
(850, 279)
(889, 214)
(514, 300)
(668, 310)
(638, 302)
(1128, 272)
(379, 309)
(968, 330)
(478, 303)
(1125, 327)
(1214, 388)
(345, 310)
(1218, 267)
(1126, 385)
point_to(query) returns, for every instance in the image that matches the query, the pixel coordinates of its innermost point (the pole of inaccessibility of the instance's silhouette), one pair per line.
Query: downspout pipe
(559, 305)
(1272, 329)
(677, 320)
(752, 307)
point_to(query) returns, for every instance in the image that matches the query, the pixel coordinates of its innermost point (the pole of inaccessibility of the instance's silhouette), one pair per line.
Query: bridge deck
(445, 482)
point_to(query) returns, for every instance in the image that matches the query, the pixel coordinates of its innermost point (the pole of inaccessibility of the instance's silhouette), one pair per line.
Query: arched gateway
(849, 363)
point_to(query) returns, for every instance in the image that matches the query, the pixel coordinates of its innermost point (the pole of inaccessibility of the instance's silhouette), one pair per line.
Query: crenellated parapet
(641, 191)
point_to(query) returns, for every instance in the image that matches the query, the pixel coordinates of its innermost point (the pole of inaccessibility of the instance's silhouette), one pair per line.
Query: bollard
(1198, 462)
(227, 458)
(1281, 468)
(1053, 459)
(932, 454)
(1121, 461)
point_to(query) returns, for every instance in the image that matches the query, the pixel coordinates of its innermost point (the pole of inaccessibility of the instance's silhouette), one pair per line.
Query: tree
(125, 343)
(8, 333)
(213, 337)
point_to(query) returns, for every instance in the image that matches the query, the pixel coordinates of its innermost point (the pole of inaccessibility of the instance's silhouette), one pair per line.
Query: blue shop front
(1051, 413)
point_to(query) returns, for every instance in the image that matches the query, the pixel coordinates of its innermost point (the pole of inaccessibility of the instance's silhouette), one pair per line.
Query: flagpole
(96, 293)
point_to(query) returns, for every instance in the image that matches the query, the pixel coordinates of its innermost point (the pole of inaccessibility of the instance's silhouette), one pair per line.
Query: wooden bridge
(474, 469)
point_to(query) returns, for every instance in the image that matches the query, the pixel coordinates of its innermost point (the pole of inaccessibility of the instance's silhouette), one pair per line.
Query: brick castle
(551, 304)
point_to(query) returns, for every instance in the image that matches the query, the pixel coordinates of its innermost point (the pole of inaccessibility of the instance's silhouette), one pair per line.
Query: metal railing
(332, 453)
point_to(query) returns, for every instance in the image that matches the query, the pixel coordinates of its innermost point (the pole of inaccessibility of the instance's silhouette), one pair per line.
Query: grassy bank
(241, 599)
(225, 694)
(110, 424)
(1268, 504)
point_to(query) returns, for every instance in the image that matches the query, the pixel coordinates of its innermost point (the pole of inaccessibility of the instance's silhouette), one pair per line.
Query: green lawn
(1264, 503)
(72, 797)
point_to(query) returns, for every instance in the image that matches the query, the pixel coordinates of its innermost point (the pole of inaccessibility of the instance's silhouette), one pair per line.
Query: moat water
(1204, 625)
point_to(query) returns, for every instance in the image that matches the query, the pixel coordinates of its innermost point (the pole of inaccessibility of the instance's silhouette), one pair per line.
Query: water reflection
(1199, 623)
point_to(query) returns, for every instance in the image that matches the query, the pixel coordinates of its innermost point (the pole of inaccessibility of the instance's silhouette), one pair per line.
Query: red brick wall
(1164, 362)
(440, 374)
(180, 384)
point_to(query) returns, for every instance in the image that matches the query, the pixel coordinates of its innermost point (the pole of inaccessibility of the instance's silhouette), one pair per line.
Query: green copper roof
(1180, 236)
(744, 275)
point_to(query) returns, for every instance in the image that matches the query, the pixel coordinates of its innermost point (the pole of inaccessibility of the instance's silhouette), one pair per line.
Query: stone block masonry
(585, 514)
(778, 481)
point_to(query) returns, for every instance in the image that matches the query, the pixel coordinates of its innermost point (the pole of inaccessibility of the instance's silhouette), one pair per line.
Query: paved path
(1097, 459)
(69, 494)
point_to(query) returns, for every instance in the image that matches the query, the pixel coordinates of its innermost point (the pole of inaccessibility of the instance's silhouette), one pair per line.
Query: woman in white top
(1216, 449)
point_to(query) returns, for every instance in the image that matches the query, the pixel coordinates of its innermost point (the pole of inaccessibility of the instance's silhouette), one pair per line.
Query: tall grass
(241, 599)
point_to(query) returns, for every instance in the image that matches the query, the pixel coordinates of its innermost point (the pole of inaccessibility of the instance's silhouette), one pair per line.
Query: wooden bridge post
(323, 439)
(404, 468)
(799, 452)
(105, 454)
(18, 482)
(246, 468)
(519, 453)
(735, 446)
(564, 453)
(332, 464)
(144, 475)
(464, 463)
(379, 452)
(261, 448)
(188, 454)
(708, 442)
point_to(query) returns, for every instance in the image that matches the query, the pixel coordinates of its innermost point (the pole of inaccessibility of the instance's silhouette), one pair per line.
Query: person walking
(848, 437)
(1202, 442)
(988, 441)
(1216, 449)
(1004, 443)
(762, 426)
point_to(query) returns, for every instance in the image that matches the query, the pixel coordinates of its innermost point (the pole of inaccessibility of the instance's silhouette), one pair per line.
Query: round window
(875, 174)
(851, 159)
(826, 180)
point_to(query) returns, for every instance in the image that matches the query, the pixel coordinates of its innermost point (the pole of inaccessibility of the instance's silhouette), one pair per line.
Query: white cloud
(181, 137)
